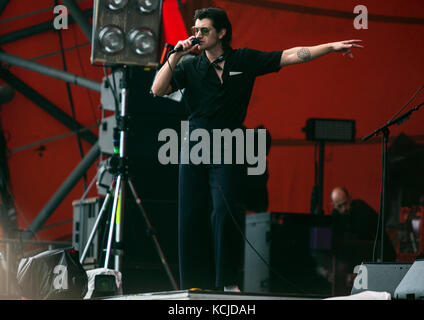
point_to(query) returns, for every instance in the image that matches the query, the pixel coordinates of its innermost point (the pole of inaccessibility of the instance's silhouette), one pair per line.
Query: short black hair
(219, 20)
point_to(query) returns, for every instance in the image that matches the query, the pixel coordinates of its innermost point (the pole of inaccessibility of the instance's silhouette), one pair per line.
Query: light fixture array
(126, 32)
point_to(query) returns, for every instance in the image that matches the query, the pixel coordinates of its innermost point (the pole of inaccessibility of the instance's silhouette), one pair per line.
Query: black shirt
(227, 102)
(360, 223)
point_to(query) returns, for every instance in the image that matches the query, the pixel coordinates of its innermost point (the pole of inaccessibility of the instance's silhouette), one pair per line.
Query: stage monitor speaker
(256, 272)
(379, 276)
(412, 285)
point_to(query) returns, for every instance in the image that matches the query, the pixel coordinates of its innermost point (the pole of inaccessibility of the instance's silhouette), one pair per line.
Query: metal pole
(382, 214)
(119, 200)
(123, 156)
(63, 191)
(79, 17)
(112, 220)
(320, 209)
(51, 72)
(46, 105)
(35, 29)
(3, 5)
(26, 32)
(96, 224)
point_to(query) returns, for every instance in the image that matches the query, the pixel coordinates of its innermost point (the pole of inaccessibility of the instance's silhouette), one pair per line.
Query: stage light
(323, 130)
(142, 41)
(147, 6)
(337, 130)
(126, 32)
(111, 39)
(116, 5)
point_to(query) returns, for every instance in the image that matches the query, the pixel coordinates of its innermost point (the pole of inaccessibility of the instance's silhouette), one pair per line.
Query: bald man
(341, 200)
(354, 231)
(353, 218)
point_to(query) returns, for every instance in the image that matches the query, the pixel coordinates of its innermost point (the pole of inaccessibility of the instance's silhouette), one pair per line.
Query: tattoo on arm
(304, 54)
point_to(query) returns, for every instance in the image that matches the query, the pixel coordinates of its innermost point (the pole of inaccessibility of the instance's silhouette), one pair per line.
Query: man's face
(207, 34)
(342, 203)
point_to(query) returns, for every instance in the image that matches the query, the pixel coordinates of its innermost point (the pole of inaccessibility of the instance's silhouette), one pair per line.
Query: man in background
(355, 227)
(354, 217)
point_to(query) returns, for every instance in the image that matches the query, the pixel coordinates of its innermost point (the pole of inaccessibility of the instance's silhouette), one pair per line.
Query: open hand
(346, 46)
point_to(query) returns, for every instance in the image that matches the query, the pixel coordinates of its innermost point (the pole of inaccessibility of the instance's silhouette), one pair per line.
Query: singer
(219, 84)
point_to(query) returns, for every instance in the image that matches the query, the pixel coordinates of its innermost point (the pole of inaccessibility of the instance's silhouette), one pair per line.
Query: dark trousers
(210, 245)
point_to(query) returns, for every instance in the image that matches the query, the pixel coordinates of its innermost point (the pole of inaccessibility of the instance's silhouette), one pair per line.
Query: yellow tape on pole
(118, 210)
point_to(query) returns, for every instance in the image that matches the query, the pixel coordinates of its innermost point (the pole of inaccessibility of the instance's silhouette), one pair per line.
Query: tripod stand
(117, 188)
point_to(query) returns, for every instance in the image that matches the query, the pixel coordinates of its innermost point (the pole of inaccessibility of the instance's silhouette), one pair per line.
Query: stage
(204, 295)
(211, 295)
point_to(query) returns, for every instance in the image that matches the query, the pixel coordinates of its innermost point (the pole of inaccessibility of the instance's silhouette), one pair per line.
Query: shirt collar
(204, 64)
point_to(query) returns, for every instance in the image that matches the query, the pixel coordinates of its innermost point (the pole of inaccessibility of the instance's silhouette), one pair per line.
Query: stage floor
(210, 295)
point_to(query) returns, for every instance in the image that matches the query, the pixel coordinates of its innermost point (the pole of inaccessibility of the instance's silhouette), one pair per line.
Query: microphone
(194, 41)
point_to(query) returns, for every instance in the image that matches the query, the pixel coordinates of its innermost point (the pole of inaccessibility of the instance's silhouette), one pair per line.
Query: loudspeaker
(256, 272)
(412, 285)
(379, 276)
(85, 216)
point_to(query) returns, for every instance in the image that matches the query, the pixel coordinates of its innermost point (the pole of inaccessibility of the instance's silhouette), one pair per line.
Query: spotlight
(147, 6)
(142, 41)
(126, 32)
(339, 130)
(111, 39)
(115, 5)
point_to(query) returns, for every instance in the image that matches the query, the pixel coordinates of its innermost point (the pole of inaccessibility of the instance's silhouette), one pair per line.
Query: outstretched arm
(304, 54)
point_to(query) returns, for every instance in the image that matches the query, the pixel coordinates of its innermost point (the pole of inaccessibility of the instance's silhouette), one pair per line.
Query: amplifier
(85, 215)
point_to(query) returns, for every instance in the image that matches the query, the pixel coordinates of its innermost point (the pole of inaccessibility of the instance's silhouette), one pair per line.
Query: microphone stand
(385, 131)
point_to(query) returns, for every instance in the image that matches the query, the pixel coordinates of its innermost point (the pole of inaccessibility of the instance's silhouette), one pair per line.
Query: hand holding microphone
(161, 84)
(186, 45)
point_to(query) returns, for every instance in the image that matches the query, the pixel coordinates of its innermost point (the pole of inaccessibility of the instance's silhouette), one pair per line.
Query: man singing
(218, 85)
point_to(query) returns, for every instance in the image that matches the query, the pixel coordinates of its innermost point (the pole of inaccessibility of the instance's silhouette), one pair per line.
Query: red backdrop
(370, 89)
